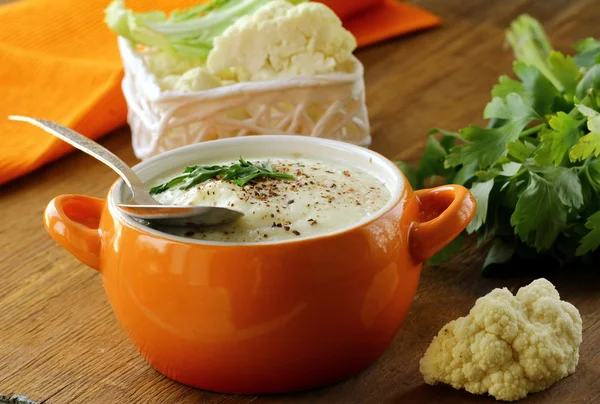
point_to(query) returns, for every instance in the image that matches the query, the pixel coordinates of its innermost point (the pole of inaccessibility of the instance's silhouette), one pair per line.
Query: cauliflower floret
(282, 40)
(195, 79)
(507, 346)
(168, 82)
(162, 64)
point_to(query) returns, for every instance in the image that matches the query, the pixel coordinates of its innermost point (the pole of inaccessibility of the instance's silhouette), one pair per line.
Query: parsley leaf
(565, 132)
(589, 52)
(448, 252)
(500, 253)
(535, 89)
(589, 144)
(565, 182)
(592, 172)
(240, 174)
(202, 173)
(487, 146)
(520, 150)
(245, 172)
(169, 184)
(432, 163)
(481, 193)
(539, 215)
(587, 44)
(409, 173)
(591, 241)
(465, 174)
(507, 170)
(565, 71)
(197, 174)
(568, 187)
(530, 44)
(590, 81)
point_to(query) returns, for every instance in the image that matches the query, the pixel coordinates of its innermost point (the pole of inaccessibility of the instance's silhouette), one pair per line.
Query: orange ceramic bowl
(263, 317)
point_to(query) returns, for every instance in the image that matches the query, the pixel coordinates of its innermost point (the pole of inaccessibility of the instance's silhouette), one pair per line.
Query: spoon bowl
(188, 216)
(142, 205)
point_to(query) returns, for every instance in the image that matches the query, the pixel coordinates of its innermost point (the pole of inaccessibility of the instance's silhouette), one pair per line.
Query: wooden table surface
(59, 340)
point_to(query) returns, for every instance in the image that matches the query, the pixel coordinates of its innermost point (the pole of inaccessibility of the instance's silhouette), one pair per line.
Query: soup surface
(319, 197)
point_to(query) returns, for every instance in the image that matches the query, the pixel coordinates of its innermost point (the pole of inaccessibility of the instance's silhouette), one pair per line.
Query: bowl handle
(73, 222)
(445, 211)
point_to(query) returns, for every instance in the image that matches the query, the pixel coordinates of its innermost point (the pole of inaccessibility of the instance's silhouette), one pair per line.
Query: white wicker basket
(330, 106)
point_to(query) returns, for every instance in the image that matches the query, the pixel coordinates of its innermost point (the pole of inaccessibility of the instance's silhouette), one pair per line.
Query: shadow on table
(422, 394)
(437, 394)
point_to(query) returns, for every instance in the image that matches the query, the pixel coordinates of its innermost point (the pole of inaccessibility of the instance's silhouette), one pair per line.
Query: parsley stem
(533, 130)
(593, 100)
(587, 173)
(584, 166)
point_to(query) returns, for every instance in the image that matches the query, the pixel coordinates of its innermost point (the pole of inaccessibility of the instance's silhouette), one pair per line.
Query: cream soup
(322, 197)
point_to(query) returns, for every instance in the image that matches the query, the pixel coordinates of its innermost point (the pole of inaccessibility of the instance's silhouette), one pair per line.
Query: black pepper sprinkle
(286, 227)
(290, 201)
(296, 232)
(189, 233)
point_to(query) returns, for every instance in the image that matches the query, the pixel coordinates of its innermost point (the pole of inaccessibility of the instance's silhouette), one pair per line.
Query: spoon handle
(90, 147)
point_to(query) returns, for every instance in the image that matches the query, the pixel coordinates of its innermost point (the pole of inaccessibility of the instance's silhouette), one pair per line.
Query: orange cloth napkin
(59, 61)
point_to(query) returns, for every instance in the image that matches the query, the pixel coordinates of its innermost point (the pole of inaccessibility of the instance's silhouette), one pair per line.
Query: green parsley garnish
(240, 174)
(535, 168)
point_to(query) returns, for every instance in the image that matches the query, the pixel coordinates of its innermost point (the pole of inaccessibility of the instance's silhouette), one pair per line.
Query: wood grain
(60, 343)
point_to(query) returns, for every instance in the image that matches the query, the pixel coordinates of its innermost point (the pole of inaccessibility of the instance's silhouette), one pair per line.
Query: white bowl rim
(395, 194)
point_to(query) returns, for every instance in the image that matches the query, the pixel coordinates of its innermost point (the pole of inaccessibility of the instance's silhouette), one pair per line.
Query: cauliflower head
(282, 40)
(508, 345)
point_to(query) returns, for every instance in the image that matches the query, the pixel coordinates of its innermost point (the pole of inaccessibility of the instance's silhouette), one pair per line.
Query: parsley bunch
(240, 174)
(534, 169)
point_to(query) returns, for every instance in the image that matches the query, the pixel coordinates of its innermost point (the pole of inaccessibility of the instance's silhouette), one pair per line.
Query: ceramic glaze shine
(321, 198)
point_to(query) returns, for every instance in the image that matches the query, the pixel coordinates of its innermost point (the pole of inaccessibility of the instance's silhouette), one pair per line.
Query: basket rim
(130, 58)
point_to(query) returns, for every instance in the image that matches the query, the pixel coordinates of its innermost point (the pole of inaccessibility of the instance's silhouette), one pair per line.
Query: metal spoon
(142, 205)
